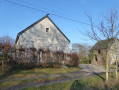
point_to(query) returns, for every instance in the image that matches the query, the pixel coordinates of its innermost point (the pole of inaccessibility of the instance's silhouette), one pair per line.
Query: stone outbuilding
(43, 34)
(99, 52)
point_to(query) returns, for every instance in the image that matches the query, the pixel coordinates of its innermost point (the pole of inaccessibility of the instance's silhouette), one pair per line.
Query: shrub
(74, 61)
(13, 65)
(57, 65)
(51, 65)
(0, 61)
(26, 66)
(85, 61)
(91, 55)
(27, 58)
(6, 68)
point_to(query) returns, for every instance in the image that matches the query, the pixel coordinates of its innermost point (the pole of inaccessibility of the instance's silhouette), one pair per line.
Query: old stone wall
(99, 56)
(37, 37)
(114, 51)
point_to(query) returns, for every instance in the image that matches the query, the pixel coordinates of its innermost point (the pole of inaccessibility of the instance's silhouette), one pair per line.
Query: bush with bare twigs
(74, 61)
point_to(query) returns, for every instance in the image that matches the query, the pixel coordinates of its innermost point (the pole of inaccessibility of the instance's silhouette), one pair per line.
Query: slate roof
(101, 45)
(46, 16)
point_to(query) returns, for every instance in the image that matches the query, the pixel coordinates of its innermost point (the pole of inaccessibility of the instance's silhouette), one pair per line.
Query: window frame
(47, 30)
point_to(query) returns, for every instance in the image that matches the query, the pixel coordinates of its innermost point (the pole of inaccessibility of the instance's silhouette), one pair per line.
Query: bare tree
(6, 43)
(7, 39)
(81, 49)
(107, 29)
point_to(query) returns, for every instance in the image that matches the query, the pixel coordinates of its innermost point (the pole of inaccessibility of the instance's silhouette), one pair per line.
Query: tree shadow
(77, 85)
(99, 75)
(8, 73)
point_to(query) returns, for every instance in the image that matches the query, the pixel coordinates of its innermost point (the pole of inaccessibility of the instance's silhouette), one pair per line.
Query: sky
(15, 18)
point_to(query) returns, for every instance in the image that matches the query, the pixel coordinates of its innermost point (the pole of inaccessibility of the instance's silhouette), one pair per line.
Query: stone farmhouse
(43, 34)
(99, 52)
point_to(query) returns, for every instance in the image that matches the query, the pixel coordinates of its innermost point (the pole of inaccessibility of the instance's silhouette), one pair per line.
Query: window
(47, 29)
(99, 51)
(96, 59)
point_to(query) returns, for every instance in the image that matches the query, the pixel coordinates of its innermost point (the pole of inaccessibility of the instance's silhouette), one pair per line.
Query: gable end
(35, 24)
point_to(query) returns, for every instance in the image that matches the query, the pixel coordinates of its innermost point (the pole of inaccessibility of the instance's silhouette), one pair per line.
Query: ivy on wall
(91, 55)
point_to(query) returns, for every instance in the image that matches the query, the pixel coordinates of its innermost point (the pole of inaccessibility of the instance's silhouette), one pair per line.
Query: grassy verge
(33, 72)
(36, 72)
(22, 82)
(92, 83)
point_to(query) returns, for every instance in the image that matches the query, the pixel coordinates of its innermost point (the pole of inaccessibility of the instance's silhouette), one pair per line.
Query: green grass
(22, 82)
(37, 72)
(112, 67)
(92, 83)
(33, 72)
(59, 86)
(84, 61)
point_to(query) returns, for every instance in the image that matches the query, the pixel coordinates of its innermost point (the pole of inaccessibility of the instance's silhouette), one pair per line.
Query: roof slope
(46, 16)
(101, 44)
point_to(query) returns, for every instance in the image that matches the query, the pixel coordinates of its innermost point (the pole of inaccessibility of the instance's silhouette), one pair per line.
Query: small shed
(99, 52)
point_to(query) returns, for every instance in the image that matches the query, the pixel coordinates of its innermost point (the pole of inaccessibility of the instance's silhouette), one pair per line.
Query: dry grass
(37, 72)
(22, 82)
(33, 72)
(92, 83)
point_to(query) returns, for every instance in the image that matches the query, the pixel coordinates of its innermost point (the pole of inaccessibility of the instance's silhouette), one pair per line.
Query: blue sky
(14, 18)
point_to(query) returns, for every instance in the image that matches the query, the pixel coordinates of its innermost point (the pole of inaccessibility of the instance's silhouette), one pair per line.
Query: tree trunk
(107, 65)
(3, 61)
(116, 67)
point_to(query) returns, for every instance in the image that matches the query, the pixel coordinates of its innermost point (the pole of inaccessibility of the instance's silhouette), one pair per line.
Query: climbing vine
(91, 55)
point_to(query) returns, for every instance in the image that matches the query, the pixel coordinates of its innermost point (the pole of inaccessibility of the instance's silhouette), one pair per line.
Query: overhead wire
(46, 12)
(59, 9)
